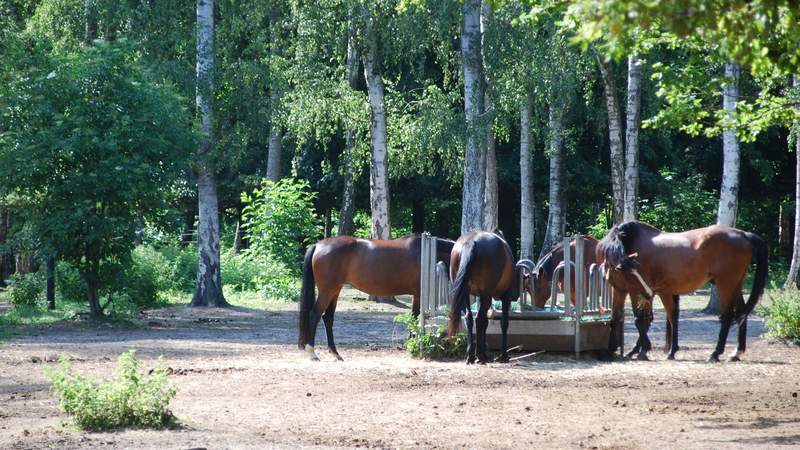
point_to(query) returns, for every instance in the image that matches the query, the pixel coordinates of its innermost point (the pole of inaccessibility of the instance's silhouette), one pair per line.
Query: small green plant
(134, 400)
(25, 291)
(431, 344)
(781, 314)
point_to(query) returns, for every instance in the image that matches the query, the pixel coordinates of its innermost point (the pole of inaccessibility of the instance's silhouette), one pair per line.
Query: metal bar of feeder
(580, 296)
(593, 286)
(424, 288)
(567, 278)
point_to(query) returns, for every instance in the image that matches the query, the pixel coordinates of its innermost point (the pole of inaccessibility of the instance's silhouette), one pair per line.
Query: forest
(152, 146)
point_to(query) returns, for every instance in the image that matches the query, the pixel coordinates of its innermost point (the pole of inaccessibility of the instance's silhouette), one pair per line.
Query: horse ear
(499, 232)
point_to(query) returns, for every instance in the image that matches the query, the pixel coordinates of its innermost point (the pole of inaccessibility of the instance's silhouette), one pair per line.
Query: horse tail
(459, 293)
(612, 247)
(306, 297)
(761, 256)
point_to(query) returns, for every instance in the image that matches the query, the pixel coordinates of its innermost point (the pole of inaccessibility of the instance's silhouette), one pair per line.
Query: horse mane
(614, 246)
(546, 263)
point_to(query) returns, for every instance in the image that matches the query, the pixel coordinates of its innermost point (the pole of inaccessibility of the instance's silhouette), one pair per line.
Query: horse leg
(415, 305)
(644, 317)
(673, 327)
(324, 299)
(742, 342)
(504, 327)
(470, 336)
(637, 312)
(327, 318)
(617, 333)
(726, 307)
(482, 322)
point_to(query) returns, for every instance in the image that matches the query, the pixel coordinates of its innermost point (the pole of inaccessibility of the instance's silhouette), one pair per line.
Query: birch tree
(274, 148)
(379, 171)
(616, 153)
(348, 192)
(491, 198)
(556, 217)
(632, 124)
(729, 191)
(794, 268)
(474, 158)
(208, 291)
(527, 206)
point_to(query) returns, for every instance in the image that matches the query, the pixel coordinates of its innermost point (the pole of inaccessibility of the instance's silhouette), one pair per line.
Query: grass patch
(781, 313)
(133, 400)
(431, 344)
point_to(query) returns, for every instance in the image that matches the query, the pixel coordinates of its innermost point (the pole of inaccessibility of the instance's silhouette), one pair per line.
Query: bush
(781, 314)
(431, 344)
(25, 290)
(134, 400)
(249, 272)
(144, 277)
(69, 284)
(181, 266)
(280, 221)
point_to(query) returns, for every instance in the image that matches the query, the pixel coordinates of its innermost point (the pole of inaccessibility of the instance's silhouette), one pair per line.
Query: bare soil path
(242, 383)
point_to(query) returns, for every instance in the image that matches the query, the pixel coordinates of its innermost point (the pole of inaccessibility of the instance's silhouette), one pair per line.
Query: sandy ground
(242, 383)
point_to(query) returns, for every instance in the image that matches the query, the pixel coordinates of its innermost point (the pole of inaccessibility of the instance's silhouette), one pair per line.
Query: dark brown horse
(481, 264)
(653, 262)
(377, 267)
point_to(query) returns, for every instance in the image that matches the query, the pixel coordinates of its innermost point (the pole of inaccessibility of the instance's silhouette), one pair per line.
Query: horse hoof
(605, 357)
(470, 360)
(671, 357)
(502, 359)
(336, 355)
(482, 362)
(630, 354)
(642, 357)
(713, 358)
(733, 358)
(312, 355)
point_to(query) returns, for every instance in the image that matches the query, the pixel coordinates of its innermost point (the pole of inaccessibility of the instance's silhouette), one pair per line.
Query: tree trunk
(275, 130)
(275, 149)
(94, 299)
(188, 224)
(90, 21)
(346, 227)
(328, 224)
(491, 197)
(238, 239)
(617, 156)
(378, 170)
(729, 191)
(794, 268)
(6, 256)
(209, 281)
(556, 216)
(418, 214)
(474, 157)
(527, 221)
(51, 282)
(632, 123)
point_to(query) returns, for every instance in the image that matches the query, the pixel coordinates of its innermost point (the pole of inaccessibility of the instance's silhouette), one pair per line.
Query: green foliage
(686, 205)
(69, 284)
(280, 221)
(259, 273)
(86, 143)
(26, 290)
(781, 312)
(180, 266)
(134, 400)
(431, 344)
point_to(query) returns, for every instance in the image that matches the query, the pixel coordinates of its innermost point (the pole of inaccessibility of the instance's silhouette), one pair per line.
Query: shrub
(280, 221)
(25, 290)
(781, 314)
(134, 400)
(431, 344)
(250, 272)
(69, 284)
(144, 277)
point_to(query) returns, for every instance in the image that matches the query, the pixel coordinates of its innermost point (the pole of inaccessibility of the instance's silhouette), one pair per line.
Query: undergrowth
(781, 313)
(133, 400)
(431, 344)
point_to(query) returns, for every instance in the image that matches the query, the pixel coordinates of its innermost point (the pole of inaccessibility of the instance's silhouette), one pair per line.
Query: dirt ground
(242, 383)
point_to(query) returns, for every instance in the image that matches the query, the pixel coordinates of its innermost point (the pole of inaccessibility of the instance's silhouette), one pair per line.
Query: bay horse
(540, 289)
(481, 264)
(653, 262)
(375, 267)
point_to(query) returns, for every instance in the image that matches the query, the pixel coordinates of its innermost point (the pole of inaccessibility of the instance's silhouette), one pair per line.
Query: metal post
(567, 278)
(424, 276)
(580, 295)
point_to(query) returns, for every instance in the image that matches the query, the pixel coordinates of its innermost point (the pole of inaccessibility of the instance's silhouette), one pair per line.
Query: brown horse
(540, 290)
(377, 267)
(481, 264)
(653, 262)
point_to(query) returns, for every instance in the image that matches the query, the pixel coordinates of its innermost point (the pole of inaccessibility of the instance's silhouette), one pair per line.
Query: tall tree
(208, 291)
(632, 124)
(276, 131)
(491, 197)
(794, 268)
(729, 191)
(379, 170)
(346, 227)
(527, 206)
(474, 158)
(556, 217)
(617, 155)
